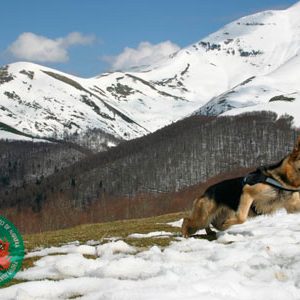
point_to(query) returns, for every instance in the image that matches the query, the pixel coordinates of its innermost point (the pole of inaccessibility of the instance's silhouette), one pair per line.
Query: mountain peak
(295, 6)
(130, 104)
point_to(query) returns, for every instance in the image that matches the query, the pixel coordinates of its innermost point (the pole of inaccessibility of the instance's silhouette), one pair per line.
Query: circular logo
(11, 250)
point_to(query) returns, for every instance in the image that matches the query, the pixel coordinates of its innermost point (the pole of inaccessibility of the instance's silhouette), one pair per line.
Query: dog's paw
(233, 221)
(229, 222)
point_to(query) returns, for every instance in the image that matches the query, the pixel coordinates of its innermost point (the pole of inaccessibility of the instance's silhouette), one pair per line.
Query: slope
(122, 182)
(276, 89)
(278, 92)
(44, 102)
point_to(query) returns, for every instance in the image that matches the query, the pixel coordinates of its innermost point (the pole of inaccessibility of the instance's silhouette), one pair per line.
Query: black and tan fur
(231, 201)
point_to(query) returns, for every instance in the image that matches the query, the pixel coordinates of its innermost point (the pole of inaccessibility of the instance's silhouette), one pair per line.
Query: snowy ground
(256, 260)
(9, 136)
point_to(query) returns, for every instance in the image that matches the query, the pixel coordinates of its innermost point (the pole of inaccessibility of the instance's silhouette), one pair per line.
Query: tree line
(174, 158)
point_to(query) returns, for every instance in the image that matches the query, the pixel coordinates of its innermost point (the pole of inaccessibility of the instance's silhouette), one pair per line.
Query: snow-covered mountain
(276, 36)
(250, 64)
(44, 102)
(278, 91)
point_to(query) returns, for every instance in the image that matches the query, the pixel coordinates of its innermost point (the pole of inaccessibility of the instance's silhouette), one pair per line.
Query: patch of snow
(259, 259)
(114, 247)
(68, 248)
(150, 234)
(111, 144)
(9, 136)
(176, 223)
(93, 243)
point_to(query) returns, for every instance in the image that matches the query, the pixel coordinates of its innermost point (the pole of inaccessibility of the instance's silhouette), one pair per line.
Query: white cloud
(145, 54)
(30, 46)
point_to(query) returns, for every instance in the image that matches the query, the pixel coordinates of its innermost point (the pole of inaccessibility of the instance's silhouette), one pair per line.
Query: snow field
(9, 136)
(259, 259)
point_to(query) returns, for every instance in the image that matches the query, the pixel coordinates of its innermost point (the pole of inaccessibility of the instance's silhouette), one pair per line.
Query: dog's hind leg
(221, 216)
(202, 213)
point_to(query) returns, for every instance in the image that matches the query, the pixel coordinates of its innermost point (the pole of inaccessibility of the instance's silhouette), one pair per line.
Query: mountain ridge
(207, 77)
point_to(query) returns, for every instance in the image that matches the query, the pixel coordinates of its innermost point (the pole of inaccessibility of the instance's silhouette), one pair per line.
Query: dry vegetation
(103, 232)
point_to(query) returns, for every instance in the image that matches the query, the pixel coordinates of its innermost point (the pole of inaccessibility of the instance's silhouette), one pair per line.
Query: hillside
(244, 64)
(137, 178)
(24, 162)
(277, 91)
(55, 104)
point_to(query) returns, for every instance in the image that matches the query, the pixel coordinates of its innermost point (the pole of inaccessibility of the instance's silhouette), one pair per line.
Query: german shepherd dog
(262, 192)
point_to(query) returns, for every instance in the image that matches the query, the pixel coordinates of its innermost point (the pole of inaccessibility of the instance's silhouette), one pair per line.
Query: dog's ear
(296, 152)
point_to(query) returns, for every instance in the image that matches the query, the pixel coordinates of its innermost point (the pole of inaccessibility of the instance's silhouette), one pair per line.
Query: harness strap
(259, 177)
(277, 184)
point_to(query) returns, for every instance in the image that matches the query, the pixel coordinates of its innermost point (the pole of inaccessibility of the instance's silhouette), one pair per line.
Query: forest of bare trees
(172, 159)
(22, 163)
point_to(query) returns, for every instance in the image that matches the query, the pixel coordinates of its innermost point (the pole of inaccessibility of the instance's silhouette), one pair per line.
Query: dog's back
(227, 192)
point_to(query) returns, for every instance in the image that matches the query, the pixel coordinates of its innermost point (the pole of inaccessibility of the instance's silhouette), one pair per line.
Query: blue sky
(88, 37)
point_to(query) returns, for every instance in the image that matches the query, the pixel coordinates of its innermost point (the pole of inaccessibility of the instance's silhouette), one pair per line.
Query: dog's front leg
(292, 205)
(242, 212)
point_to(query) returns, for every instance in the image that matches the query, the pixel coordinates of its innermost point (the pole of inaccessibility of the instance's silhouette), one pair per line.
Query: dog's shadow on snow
(209, 237)
(233, 236)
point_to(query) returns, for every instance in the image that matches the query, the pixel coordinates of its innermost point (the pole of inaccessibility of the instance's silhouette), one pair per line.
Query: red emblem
(4, 255)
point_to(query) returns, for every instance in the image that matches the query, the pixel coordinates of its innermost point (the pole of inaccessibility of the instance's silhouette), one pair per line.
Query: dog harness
(259, 177)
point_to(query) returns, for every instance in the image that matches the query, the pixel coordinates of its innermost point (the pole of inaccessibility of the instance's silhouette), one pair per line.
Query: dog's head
(293, 165)
(295, 155)
(187, 229)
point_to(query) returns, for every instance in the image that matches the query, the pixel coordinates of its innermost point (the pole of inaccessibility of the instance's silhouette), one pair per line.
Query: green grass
(101, 231)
